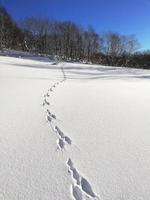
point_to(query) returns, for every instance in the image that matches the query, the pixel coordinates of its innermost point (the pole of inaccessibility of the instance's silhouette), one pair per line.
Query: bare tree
(118, 48)
(10, 35)
(36, 33)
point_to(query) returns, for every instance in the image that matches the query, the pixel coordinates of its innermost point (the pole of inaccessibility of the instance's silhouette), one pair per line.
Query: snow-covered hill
(73, 131)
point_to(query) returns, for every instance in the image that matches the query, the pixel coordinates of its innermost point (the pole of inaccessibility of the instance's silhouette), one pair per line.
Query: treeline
(65, 39)
(71, 42)
(11, 36)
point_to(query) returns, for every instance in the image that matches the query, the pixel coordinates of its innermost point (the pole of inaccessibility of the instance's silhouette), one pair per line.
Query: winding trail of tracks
(80, 188)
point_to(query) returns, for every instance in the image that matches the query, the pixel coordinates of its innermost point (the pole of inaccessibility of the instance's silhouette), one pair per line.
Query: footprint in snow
(62, 136)
(60, 133)
(49, 118)
(76, 176)
(46, 102)
(68, 140)
(74, 172)
(53, 116)
(81, 181)
(76, 192)
(47, 95)
(70, 163)
(86, 187)
(60, 144)
(50, 114)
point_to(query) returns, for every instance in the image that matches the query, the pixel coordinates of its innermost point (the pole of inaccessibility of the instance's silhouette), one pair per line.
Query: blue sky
(123, 16)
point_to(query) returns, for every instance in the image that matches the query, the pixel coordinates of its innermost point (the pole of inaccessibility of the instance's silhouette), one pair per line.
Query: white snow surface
(73, 131)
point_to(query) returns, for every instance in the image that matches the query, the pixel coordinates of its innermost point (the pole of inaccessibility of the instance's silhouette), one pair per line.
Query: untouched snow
(73, 131)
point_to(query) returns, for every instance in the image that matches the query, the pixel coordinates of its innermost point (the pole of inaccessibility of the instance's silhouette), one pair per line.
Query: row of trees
(70, 41)
(65, 39)
(10, 34)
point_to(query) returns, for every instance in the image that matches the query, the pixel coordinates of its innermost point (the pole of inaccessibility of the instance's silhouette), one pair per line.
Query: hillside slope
(73, 131)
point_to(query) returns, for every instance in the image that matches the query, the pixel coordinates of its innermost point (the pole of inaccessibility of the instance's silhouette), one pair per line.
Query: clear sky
(123, 16)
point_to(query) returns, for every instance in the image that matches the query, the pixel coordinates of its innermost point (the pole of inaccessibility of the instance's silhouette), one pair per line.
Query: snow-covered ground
(73, 131)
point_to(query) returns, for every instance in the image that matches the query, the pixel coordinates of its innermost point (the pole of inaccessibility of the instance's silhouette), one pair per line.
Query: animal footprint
(46, 102)
(60, 144)
(76, 176)
(47, 95)
(74, 172)
(60, 133)
(70, 163)
(68, 140)
(76, 193)
(83, 186)
(53, 116)
(50, 114)
(62, 136)
(86, 187)
(49, 118)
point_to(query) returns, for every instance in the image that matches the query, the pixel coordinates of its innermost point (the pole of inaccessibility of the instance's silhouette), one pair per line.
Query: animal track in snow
(46, 102)
(70, 163)
(74, 172)
(76, 176)
(86, 187)
(50, 114)
(49, 118)
(76, 192)
(53, 116)
(62, 136)
(80, 188)
(47, 94)
(60, 144)
(60, 133)
(82, 184)
(62, 139)
(54, 86)
(68, 140)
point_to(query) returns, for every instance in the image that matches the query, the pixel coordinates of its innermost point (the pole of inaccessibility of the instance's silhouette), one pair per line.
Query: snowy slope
(73, 131)
(30, 167)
